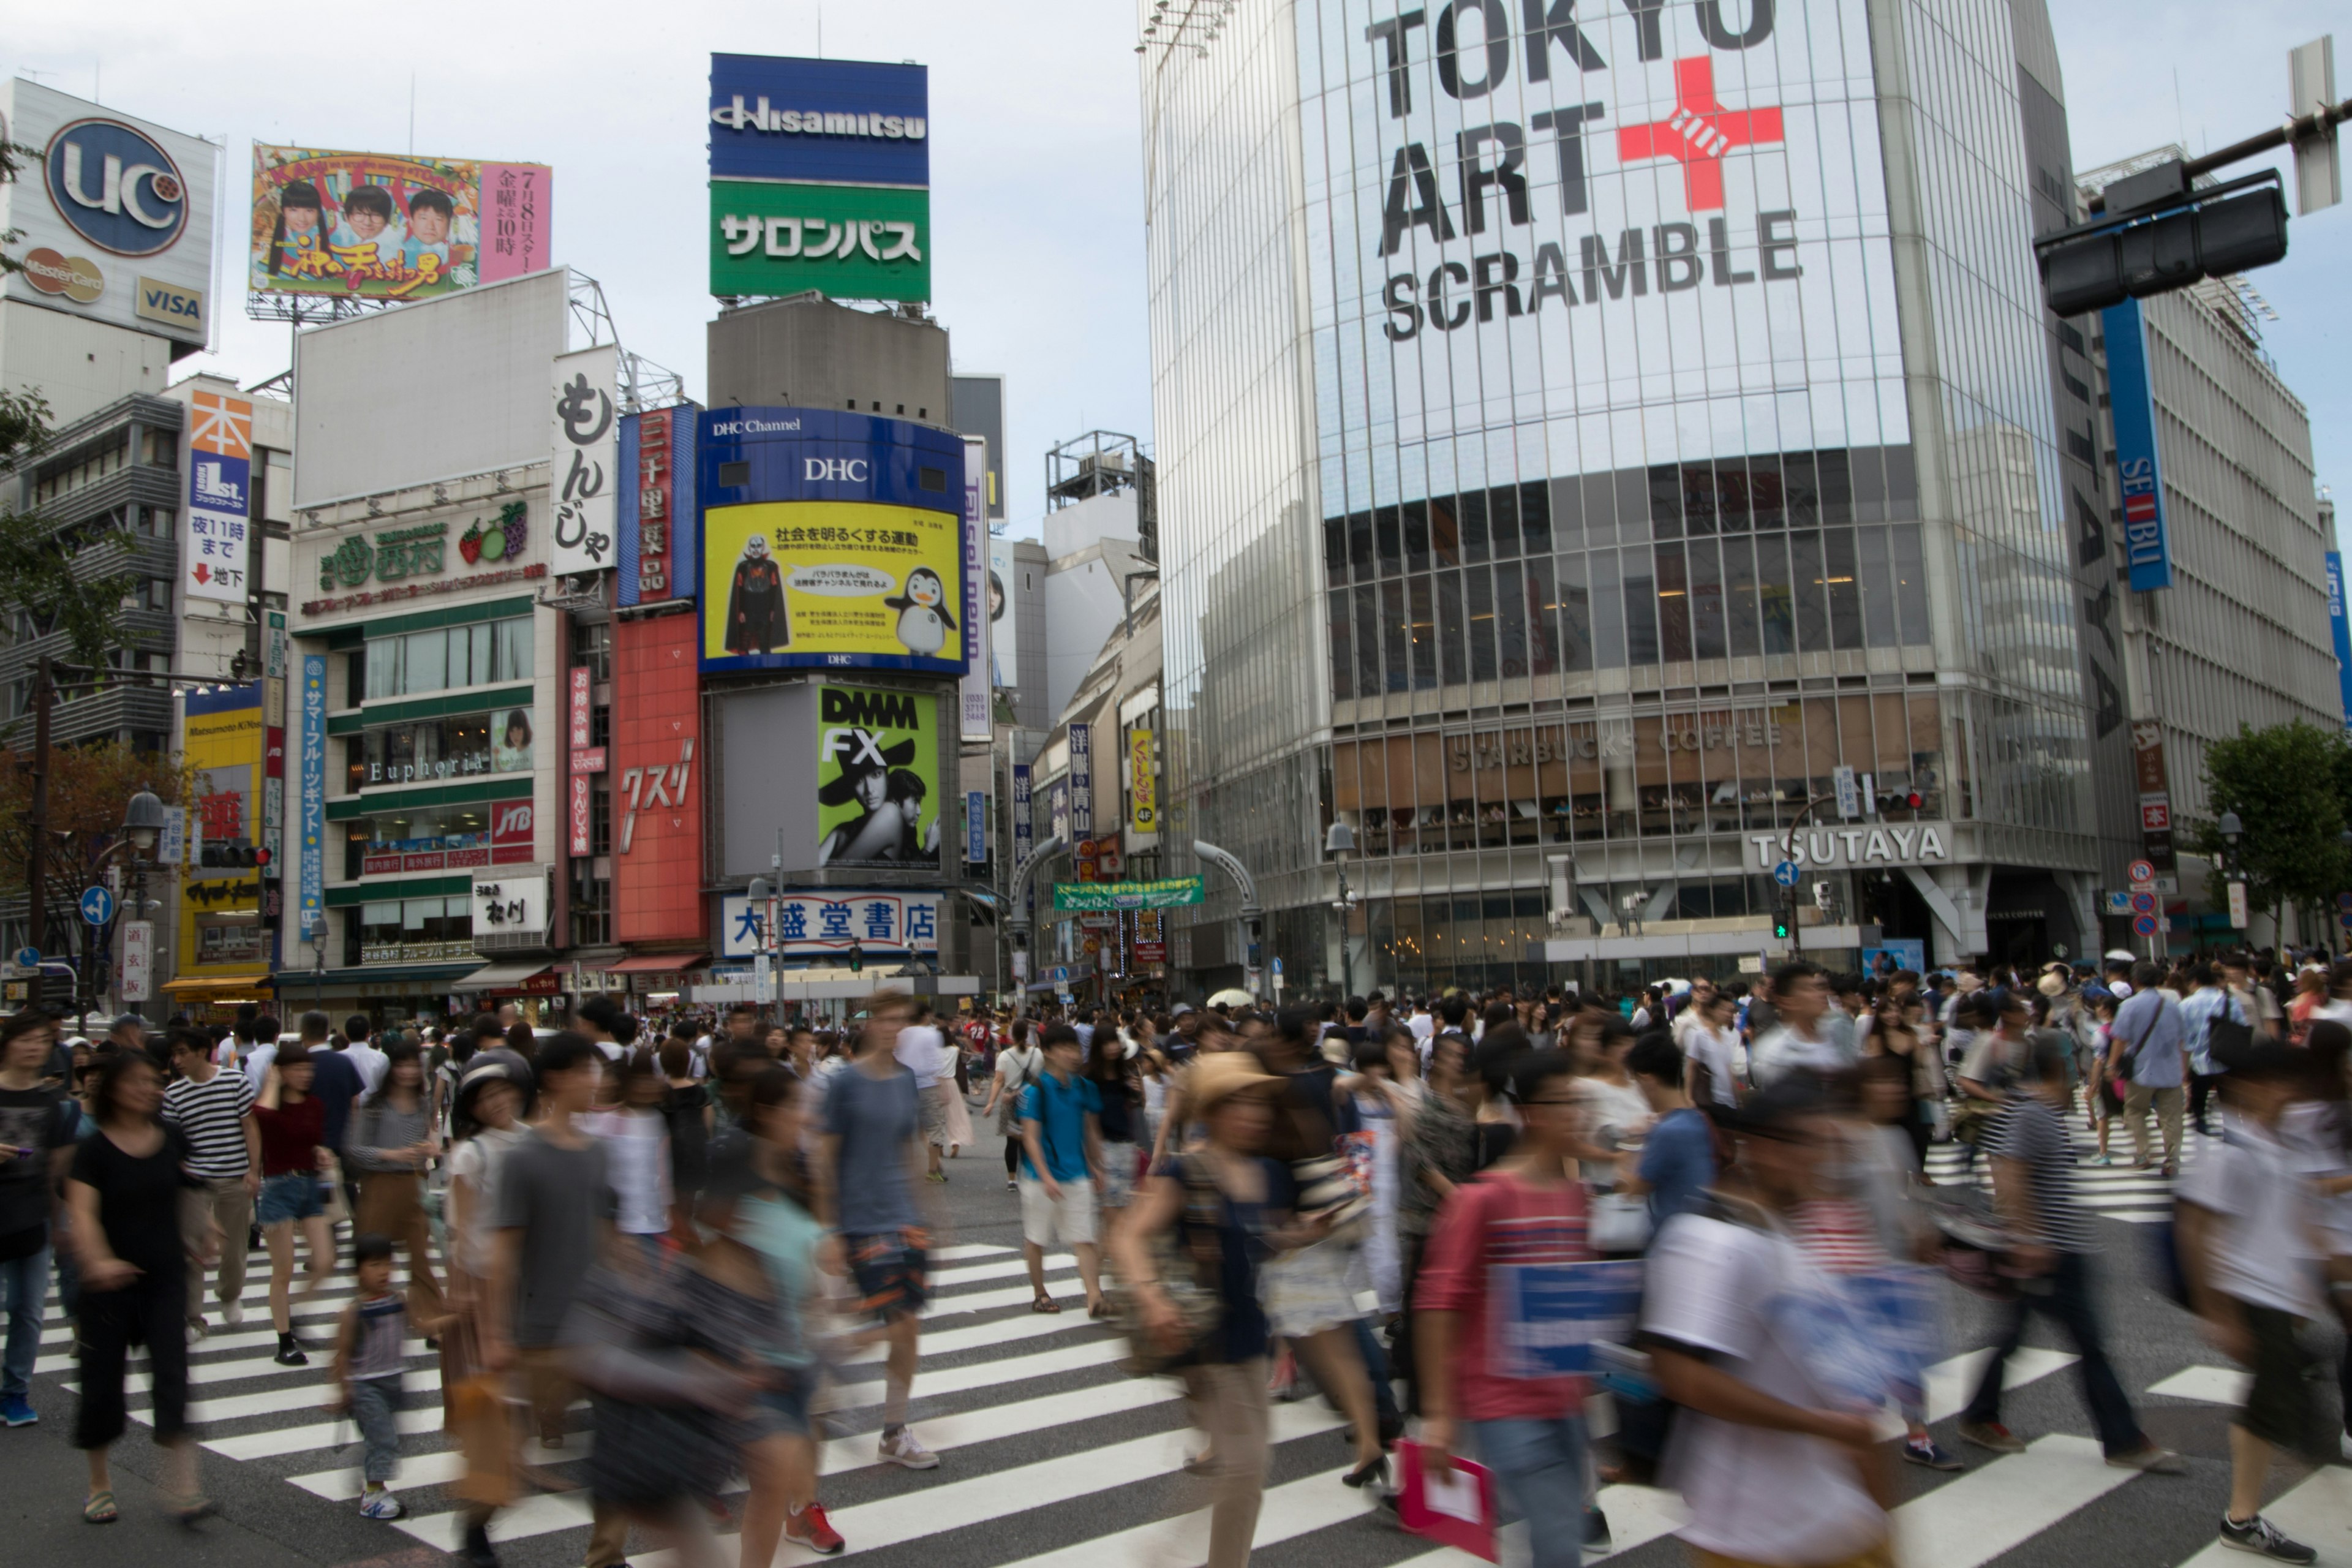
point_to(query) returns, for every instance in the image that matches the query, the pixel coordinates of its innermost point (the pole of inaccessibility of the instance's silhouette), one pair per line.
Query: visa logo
(170, 304)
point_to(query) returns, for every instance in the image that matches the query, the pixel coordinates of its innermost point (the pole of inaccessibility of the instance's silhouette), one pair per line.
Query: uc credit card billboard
(829, 540)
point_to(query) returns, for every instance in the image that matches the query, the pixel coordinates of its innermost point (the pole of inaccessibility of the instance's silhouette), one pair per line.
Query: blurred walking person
(38, 1124)
(213, 1108)
(124, 1192)
(296, 1172)
(393, 1143)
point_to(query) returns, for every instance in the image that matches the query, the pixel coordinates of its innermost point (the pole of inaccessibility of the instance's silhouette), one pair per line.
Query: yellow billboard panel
(807, 583)
(220, 893)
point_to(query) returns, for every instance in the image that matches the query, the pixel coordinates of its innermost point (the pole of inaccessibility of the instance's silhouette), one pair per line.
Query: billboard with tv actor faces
(384, 225)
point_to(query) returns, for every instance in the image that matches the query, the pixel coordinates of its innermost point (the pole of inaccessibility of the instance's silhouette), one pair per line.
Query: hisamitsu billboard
(834, 122)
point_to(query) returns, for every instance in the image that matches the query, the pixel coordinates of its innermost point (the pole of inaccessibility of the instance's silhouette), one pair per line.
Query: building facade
(1580, 442)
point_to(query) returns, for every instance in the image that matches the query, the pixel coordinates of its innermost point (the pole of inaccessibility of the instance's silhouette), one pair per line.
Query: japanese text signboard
(813, 925)
(584, 460)
(391, 227)
(220, 485)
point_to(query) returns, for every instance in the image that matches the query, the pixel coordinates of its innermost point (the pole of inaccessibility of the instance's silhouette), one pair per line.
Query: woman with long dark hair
(295, 1167)
(1120, 1121)
(124, 1196)
(301, 228)
(392, 1142)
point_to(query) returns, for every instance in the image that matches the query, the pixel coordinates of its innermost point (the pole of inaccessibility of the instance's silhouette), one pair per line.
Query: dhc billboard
(830, 540)
(2148, 548)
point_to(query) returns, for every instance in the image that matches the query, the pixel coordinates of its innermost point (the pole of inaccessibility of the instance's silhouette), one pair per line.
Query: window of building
(422, 750)
(410, 931)
(108, 455)
(600, 817)
(591, 908)
(421, 839)
(483, 654)
(591, 644)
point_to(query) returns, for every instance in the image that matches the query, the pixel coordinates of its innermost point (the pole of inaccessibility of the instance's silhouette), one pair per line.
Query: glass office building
(1584, 435)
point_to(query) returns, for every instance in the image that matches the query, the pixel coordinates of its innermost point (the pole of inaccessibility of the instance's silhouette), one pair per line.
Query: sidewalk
(40, 1509)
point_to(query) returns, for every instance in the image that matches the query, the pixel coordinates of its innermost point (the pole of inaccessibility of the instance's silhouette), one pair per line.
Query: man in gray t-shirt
(873, 1146)
(554, 1211)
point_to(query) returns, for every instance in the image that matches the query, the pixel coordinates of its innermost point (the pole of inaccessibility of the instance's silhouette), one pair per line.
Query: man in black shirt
(37, 1141)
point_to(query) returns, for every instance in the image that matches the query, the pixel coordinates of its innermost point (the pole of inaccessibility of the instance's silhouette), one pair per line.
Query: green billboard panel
(850, 242)
(1169, 893)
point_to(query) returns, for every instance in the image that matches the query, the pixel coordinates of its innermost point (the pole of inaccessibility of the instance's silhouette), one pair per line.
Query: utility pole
(36, 858)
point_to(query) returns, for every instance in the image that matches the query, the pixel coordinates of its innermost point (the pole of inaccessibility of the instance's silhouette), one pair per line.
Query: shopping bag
(1456, 1512)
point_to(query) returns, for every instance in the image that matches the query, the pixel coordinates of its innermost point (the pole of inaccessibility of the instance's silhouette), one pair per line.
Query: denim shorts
(779, 1412)
(293, 1195)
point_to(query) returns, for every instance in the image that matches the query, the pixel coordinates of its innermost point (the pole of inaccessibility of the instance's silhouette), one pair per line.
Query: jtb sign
(2147, 548)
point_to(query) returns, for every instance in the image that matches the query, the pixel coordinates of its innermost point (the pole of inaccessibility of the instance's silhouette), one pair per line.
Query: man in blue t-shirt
(1061, 1168)
(1676, 1163)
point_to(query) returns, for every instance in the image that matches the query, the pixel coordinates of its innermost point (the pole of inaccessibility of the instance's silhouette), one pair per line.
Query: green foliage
(15, 157)
(2291, 785)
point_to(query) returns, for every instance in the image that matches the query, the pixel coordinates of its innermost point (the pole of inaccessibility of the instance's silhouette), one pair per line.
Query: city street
(1051, 1456)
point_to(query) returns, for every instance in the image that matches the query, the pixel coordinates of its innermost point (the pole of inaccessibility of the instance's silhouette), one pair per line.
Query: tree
(2288, 784)
(90, 789)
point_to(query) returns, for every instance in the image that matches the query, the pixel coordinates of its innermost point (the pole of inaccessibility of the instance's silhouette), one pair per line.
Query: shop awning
(660, 963)
(501, 976)
(189, 985)
(292, 980)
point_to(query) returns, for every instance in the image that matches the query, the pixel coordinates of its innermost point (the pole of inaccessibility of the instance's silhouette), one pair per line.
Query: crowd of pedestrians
(1456, 1218)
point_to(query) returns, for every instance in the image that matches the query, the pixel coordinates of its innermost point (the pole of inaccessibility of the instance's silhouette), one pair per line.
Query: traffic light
(857, 959)
(1780, 923)
(1900, 800)
(2159, 233)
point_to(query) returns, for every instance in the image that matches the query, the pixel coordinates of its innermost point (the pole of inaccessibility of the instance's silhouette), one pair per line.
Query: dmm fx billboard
(820, 176)
(114, 215)
(1677, 211)
(877, 774)
(2148, 549)
(829, 541)
(220, 897)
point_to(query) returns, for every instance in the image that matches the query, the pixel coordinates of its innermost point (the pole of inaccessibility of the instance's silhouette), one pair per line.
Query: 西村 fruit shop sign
(412, 562)
(399, 553)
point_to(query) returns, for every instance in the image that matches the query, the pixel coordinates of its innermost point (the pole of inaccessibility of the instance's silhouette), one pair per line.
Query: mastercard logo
(76, 276)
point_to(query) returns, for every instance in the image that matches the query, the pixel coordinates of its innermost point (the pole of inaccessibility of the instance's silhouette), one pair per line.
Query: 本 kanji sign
(220, 510)
(583, 476)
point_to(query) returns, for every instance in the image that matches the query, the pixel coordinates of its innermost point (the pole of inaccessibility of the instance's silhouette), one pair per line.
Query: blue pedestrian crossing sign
(1786, 873)
(96, 906)
(28, 958)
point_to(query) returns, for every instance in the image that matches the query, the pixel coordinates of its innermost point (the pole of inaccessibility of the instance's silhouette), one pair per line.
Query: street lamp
(1340, 842)
(2231, 831)
(760, 893)
(142, 821)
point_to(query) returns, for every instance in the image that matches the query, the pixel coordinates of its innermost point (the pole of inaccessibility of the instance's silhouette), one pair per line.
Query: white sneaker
(903, 1449)
(232, 1313)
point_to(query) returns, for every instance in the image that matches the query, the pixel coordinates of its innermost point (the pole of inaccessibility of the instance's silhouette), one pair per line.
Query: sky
(1036, 156)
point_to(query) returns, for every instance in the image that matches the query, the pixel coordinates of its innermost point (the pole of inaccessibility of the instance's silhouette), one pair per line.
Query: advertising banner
(115, 220)
(842, 122)
(1694, 189)
(878, 777)
(138, 972)
(584, 460)
(1168, 894)
(2340, 630)
(1143, 783)
(313, 821)
(654, 515)
(384, 226)
(1004, 619)
(2155, 780)
(656, 764)
(220, 897)
(2148, 549)
(848, 242)
(830, 540)
(1024, 834)
(978, 699)
(220, 481)
(815, 925)
(512, 904)
(975, 828)
(1082, 780)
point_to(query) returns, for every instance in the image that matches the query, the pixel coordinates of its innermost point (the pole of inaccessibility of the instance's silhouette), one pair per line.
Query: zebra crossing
(1052, 1458)
(2119, 1190)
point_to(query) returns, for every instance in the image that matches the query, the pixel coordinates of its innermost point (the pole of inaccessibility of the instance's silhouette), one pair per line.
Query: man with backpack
(2215, 1023)
(2148, 1047)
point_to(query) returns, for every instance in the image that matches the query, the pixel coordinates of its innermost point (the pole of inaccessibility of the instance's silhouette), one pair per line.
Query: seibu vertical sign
(2148, 548)
(656, 770)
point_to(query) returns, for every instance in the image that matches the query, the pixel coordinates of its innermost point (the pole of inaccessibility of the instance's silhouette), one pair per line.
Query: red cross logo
(1700, 133)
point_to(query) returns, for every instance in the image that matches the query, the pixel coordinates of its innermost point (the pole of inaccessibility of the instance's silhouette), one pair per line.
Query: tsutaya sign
(1852, 848)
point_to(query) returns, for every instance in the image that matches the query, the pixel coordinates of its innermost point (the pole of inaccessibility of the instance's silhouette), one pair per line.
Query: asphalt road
(1052, 1456)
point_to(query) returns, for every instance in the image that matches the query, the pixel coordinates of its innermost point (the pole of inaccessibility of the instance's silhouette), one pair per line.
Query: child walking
(368, 1364)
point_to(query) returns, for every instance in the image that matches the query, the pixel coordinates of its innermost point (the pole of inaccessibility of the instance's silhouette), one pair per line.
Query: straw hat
(1217, 1077)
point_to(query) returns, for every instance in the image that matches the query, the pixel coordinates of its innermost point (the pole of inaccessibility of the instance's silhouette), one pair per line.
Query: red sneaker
(808, 1527)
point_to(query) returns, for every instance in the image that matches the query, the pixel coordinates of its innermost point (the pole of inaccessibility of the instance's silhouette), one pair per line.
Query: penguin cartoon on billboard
(923, 619)
(756, 621)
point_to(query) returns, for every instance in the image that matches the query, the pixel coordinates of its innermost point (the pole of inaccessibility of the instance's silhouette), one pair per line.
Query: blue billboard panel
(838, 123)
(2340, 635)
(2148, 549)
(829, 540)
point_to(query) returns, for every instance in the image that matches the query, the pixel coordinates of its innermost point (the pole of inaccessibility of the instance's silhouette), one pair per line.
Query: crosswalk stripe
(344, 1482)
(989, 1374)
(1952, 1384)
(2317, 1511)
(235, 1371)
(1294, 1509)
(204, 1412)
(1011, 1268)
(970, 1249)
(316, 1437)
(1977, 1517)
(2211, 1385)
(892, 1520)
(983, 1336)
